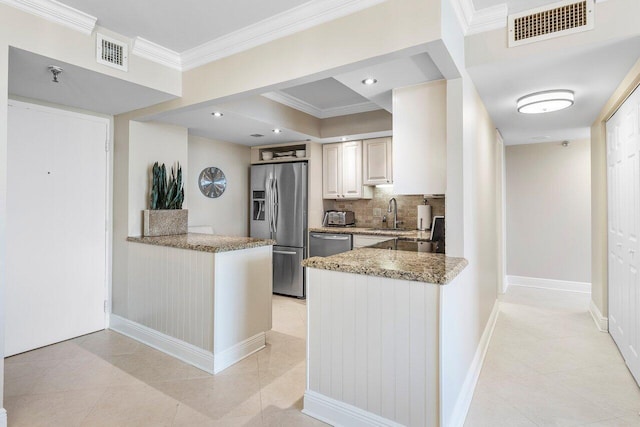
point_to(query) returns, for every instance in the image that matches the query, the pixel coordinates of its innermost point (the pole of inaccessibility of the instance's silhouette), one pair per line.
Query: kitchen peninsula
(202, 298)
(376, 347)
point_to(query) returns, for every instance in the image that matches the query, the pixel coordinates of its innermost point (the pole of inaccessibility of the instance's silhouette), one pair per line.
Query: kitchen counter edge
(433, 268)
(404, 234)
(204, 242)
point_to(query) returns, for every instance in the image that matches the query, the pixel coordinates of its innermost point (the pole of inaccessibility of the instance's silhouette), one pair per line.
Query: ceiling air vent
(554, 20)
(112, 52)
(257, 135)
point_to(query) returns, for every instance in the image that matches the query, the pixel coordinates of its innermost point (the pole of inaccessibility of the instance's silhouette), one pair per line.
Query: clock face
(212, 182)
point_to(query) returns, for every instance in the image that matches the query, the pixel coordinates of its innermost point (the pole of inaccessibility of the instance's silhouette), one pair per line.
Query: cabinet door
(331, 171)
(420, 139)
(352, 170)
(376, 161)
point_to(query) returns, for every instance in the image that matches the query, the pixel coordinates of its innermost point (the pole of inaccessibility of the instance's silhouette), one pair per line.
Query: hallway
(548, 365)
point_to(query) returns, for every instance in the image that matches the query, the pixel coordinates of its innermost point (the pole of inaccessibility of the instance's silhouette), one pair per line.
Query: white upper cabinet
(331, 171)
(342, 171)
(377, 161)
(420, 139)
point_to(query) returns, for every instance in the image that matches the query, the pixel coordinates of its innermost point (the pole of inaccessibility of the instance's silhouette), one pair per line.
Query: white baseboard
(468, 388)
(336, 413)
(232, 355)
(601, 322)
(3, 417)
(200, 358)
(557, 285)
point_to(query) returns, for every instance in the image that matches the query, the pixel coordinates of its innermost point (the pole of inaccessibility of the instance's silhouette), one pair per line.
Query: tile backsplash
(369, 213)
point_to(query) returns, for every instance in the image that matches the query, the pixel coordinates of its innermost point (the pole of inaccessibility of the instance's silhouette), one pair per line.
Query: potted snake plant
(165, 215)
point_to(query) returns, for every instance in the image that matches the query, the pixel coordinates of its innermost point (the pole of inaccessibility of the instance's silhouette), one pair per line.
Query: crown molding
(490, 18)
(294, 20)
(475, 21)
(156, 53)
(56, 12)
(305, 107)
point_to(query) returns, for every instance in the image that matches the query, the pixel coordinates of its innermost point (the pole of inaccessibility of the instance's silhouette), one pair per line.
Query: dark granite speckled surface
(405, 234)
(203, 242)
(414, 266)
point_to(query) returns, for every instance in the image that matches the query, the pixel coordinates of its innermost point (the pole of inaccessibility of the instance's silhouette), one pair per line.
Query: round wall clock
(212, 182)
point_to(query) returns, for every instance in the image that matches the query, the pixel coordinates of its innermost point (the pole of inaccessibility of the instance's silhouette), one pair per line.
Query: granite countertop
(405, 234)
(414, 266)
(204, 242)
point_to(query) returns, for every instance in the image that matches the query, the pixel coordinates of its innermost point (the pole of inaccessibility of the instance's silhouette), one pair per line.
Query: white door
(623, 176)
(56, 226)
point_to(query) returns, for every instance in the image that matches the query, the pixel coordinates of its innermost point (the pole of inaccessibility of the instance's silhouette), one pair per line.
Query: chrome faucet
(395, 212)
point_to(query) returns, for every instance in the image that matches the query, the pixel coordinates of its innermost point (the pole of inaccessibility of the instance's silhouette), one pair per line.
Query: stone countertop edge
(404, 234)
(203, 242)
(438, 269)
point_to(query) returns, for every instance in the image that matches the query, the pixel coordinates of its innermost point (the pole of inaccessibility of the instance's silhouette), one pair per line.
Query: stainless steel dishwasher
(325, 244)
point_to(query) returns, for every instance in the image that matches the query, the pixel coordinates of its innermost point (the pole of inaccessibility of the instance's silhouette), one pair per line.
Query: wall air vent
(550, 21)
(111, 52)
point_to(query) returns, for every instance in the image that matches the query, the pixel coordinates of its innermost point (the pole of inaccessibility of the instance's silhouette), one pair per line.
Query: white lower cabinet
(623, 181)
(361, 241)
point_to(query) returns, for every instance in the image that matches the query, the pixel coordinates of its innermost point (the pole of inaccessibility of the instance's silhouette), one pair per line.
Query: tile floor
(106, 379)
(548, 365)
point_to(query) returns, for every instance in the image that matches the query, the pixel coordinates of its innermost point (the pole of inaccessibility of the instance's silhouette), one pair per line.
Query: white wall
(148, 143)
(549, 211)
(472, 171)
(229, 213)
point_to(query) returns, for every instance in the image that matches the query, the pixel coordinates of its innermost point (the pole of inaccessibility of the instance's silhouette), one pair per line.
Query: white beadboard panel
(171, 291)
(372, 349)
(374, 344)
(243, 287)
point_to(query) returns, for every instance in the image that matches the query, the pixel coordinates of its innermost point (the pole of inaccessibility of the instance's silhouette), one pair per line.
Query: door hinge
(105, 306)
(106, 145)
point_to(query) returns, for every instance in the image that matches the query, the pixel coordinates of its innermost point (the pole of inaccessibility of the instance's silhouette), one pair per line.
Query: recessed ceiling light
(217, 114)
(369, 81)
(276, 130)
(545, 102)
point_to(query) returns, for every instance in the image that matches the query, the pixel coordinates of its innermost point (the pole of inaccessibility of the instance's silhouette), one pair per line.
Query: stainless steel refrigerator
(279, 212)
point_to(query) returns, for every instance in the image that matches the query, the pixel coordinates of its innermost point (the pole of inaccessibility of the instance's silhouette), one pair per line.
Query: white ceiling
(592, 73)
(78, 87)
(320, 98)
(180, 25)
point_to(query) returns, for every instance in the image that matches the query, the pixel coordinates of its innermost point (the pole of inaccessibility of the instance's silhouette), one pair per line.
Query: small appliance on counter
(339, 218)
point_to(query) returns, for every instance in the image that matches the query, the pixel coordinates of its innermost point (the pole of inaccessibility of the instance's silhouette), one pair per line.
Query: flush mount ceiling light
(276, 130)
(369, 81)
(545, 102)
(217, 114)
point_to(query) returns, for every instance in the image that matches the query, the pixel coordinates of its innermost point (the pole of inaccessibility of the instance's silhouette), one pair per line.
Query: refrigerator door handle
(275, 205)
(268, 207)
